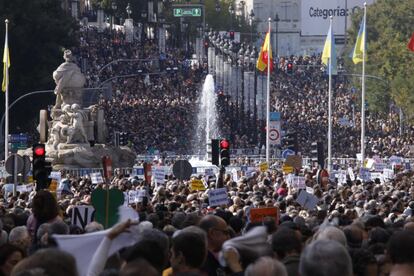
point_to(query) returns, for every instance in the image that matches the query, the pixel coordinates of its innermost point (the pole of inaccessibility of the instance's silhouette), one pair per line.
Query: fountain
(207, 123)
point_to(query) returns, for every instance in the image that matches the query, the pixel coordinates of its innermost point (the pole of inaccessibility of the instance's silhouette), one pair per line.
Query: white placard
(56, 175)
(297, 182)
(159, 175)
(388, 174)
(82, 215)
(218, 197)
(96, 178)
(351, 174)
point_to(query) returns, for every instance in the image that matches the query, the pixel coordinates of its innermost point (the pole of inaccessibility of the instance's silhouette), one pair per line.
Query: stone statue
(69, 82)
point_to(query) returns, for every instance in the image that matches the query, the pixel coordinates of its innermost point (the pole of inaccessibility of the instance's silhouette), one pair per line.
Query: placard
(259, 214)
(218, 197)
(197, 185)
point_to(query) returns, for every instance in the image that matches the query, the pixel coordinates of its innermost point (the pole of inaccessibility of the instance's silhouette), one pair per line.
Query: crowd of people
(168, 85)
(355, 228)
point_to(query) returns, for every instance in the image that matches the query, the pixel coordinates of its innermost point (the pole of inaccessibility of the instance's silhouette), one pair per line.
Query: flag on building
(266, 50)
(6, 65)
(411, 43)
(329, 52)
(360, 44)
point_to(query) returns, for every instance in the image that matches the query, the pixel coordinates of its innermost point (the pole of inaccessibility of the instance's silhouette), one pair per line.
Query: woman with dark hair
(10, 255)
(44, 210)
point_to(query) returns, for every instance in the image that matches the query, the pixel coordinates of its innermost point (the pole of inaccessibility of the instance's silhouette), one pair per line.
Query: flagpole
(6, 110)
(268, 100)
(330, 103)
(363, 89)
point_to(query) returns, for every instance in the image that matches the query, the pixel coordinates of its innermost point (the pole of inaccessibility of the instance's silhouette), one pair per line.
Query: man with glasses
(217, 233)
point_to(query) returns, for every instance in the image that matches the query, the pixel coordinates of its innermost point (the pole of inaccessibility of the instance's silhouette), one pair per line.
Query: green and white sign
(187, 12)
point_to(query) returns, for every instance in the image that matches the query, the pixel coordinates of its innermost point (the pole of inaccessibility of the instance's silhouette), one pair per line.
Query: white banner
(316, 13)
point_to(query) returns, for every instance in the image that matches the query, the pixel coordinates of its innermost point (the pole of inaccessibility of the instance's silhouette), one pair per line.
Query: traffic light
(289, 68)
(291, 141)
(231, 34)
(41, 168)
(317, 153)
(123, 138)
(224, 152)
(213, 152)
(206, 45)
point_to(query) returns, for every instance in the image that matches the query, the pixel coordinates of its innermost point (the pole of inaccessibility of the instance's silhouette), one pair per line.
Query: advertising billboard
(315, 15)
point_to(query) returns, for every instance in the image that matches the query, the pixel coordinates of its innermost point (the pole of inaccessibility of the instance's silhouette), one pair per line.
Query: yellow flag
(6, 65)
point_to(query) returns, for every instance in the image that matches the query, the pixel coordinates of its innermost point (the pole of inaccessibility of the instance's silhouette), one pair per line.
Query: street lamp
(144, 16)
(241, 6)
(251, 15)
(129, 10)
(231, 12)
(218, 8)
(113, 7)
(277, 19)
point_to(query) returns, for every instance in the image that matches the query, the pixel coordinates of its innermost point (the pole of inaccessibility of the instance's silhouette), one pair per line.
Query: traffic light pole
(220, 179)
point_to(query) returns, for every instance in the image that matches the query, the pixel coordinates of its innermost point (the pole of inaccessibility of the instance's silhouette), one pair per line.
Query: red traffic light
(224, 144)
(289, 65)
(39, 151)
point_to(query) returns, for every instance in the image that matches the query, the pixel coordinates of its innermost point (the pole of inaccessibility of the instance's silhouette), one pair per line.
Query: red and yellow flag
(266, 50)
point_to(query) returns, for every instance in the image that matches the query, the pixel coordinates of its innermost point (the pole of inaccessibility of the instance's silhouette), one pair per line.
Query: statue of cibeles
(69, 82)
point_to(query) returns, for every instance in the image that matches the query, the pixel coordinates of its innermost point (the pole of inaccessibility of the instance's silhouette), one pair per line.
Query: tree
(389, 27)
(39, 30)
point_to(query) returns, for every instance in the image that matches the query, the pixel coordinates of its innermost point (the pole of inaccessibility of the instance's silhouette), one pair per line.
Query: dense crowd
(167, 85)
(355, 228)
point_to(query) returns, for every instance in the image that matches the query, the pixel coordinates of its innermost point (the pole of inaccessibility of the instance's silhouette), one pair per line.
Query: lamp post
(184, 30)
(231, 12)
(144, 17)
(113, 7)
(277, 19)
(253, 59)
(251, 15)
(241, 7)
(217, 7)
(129, 10)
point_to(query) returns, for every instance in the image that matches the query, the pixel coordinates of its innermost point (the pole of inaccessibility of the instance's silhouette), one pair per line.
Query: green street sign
(187, 12)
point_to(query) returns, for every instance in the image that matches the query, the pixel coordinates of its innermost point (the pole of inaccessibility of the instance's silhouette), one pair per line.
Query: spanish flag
(6, 65)
(266, 50)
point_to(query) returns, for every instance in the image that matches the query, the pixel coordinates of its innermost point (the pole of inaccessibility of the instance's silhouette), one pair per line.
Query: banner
(315, 15)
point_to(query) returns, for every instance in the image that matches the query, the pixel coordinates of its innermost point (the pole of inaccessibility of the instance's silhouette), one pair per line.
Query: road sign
(274, 128)
(187, 12)
(274, 134)
(14, 163)
(287, 152)
(182, 169)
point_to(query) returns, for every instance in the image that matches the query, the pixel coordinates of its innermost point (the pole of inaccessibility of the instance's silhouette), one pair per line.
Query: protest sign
(159, 175)
(264, 167)
(82, 215)
(297, 182)
(96, 178)
(197, 185)
(307, 200)
(218, 197)
(294, 161)
(258, 214)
